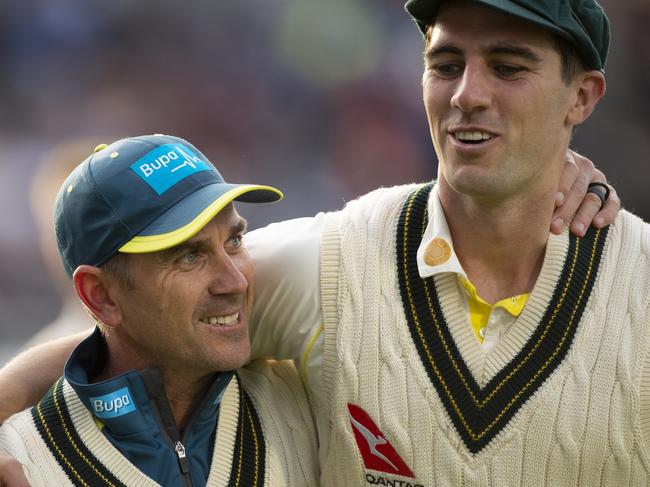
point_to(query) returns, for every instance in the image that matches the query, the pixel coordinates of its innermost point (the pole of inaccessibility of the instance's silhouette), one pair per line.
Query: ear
(92, 286)
(590, 88)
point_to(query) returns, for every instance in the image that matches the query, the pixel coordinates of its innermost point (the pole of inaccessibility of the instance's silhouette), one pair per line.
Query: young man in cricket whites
(446, 337)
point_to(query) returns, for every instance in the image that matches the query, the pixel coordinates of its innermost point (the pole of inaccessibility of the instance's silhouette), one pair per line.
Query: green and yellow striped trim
(478, 414)
(249, 457)
(55, 426)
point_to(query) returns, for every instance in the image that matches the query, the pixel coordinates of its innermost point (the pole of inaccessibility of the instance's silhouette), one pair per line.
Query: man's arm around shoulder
(28, 376)
(23, 381)
(14, 452)
(11, 472)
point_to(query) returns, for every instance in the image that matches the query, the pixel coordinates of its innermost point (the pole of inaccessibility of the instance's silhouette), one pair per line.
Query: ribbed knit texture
(479, 412)
(587, 424)
(273, 443)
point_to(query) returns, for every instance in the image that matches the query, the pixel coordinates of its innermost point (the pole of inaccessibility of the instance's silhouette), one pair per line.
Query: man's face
(495, 101)
(188, 307)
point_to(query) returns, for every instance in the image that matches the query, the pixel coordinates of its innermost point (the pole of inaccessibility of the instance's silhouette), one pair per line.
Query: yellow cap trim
(154, 243)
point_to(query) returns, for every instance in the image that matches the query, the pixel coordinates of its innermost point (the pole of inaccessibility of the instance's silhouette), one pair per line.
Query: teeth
(220, 320)
(473, 136)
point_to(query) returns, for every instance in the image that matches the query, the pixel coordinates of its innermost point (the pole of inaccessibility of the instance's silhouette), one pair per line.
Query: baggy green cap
(581, 22)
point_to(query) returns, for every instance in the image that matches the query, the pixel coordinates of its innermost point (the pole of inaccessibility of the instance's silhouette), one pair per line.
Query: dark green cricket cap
(581, 22)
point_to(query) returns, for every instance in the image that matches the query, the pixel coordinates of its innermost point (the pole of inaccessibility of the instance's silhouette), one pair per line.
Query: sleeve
(644, 392)
(12, 441)
(287, 310)
(643, 286)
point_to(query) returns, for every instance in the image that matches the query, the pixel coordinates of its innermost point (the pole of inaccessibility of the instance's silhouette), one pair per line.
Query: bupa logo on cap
(114, 404)
(168, 164)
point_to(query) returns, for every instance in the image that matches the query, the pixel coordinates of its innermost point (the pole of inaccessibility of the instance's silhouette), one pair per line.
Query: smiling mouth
(227, 320)
(473, 137)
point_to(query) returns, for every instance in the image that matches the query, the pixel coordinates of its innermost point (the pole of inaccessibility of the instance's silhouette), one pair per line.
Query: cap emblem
(166, 165)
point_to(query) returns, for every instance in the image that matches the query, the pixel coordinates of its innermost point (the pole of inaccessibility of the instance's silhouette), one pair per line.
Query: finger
(569, 195)
(571, 204)
(11, 473)
(585, 215)
(567, 178)
(575, 197)
(609, 211)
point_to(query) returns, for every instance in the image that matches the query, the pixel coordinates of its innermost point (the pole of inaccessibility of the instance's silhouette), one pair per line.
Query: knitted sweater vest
(563, 399)
(265, 437)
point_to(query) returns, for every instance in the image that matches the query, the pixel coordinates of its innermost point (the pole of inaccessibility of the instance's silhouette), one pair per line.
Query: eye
(447, 70)
(190, 257)
(236, 241)
(507, 70)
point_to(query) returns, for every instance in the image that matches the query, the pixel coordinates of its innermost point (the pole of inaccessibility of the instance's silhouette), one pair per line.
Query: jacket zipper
(153, 384)
(182, 459)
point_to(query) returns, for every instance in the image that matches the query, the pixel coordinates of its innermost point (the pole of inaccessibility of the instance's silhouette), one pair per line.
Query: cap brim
(187, 217)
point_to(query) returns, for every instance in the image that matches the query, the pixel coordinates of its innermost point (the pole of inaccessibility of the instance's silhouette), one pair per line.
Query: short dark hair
(118, 267)
(571, 63)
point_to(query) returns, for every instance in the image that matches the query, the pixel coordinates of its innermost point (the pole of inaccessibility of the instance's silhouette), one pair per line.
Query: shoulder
(264, 374)
(291, 237)
(376, 209)
(14, 432)
(631, 233)
(290, 241)
(279, 396)
(276, 387)
(292, 231)
(626, 262)
(394, 195)
(631, 222)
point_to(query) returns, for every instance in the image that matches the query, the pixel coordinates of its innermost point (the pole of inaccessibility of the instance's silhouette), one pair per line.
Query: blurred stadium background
(320, 98)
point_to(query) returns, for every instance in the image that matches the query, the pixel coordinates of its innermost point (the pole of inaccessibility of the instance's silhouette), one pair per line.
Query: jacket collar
(124, 403)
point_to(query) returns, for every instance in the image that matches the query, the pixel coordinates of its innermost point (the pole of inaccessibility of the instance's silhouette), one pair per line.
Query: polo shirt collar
(436, 253)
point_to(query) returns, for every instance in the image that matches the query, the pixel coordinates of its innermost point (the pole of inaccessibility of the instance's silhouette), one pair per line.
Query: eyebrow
(516, 50)
(504, 48)
(240, 226)
(432, 52)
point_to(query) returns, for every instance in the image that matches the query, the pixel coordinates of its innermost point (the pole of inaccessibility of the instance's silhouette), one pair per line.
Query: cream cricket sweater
(265, 437)
(563, 399)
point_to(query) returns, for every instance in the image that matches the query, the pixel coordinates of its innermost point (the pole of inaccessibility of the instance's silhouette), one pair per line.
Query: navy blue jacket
(134, 414)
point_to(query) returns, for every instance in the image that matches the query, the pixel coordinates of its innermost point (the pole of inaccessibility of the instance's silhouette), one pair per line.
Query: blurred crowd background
(319, 98)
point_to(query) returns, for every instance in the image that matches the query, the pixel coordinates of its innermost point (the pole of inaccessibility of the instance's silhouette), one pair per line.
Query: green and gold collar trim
(249, 456)
(478, 414)
(54, 423)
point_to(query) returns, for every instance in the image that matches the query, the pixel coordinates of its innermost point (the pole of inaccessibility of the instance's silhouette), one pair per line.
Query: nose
(228, 277)
(472, 92)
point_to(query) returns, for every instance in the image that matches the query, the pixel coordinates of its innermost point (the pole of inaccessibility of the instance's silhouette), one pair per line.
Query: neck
(500, 244)
(184, 389)
(184, 394)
